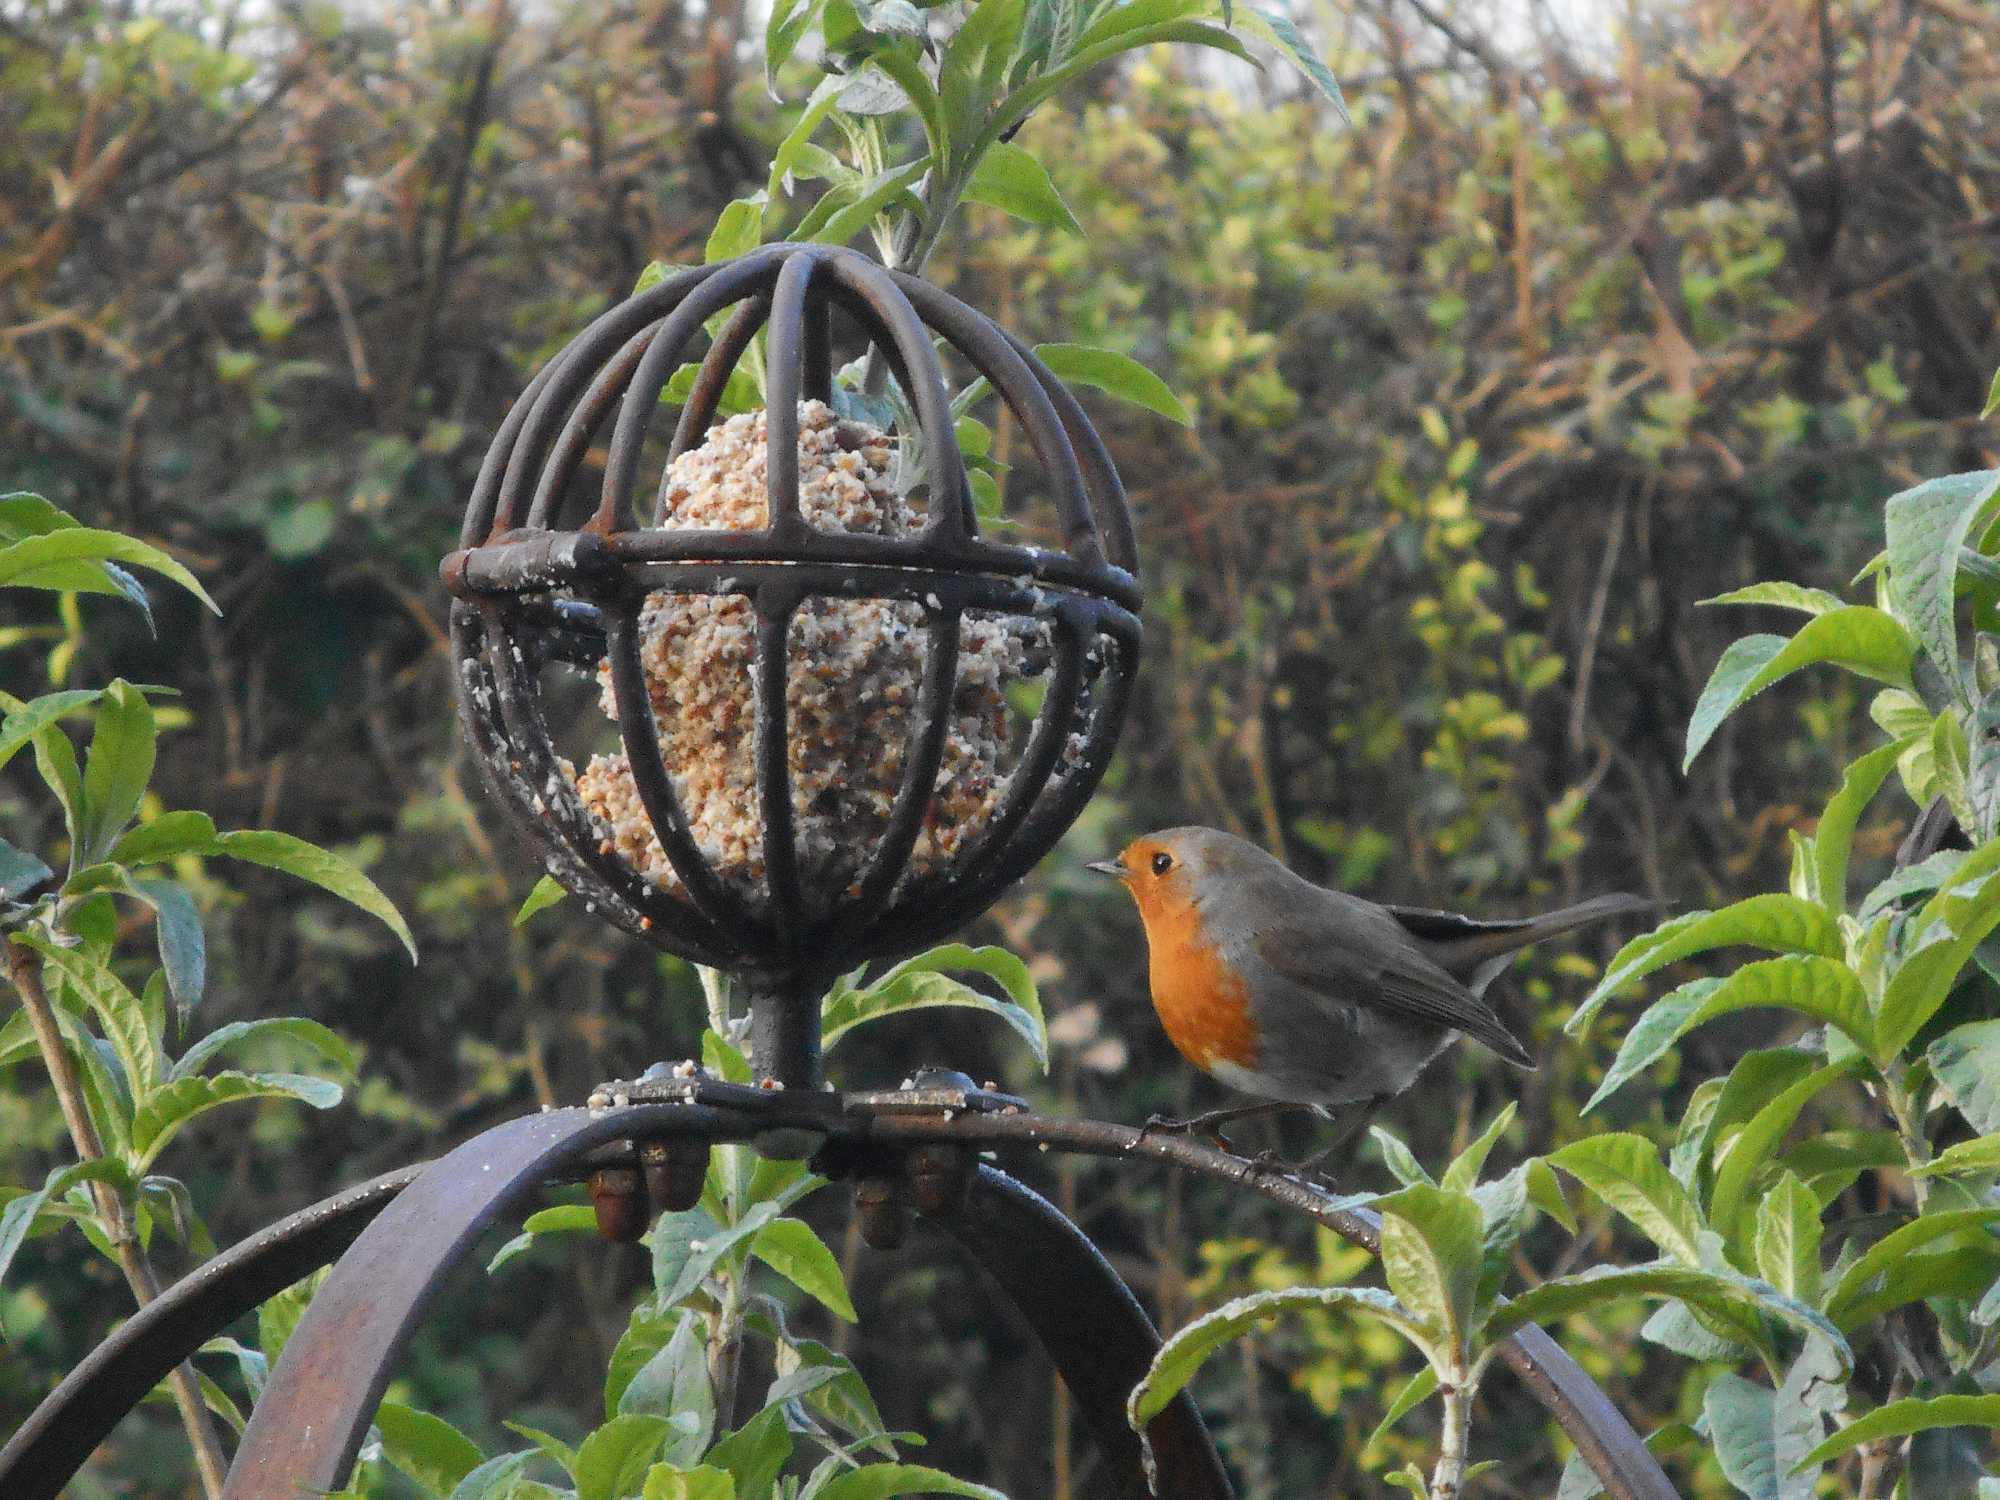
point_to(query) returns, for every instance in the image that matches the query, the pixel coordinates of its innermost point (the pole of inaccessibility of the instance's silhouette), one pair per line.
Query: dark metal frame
(526, 586)
(305, 1431)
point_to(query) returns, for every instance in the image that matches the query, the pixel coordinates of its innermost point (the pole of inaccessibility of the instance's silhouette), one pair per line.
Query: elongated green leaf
(1626, 1172)
(20, 561)
(1132, 15)
(1752, 1146)
(1900, 1418)
(1397, 1157)
(1278, 29)
(674, 1383)
(1023, 102)
(1964, 1273)
(547, 892)
(296, 1029)
(1965, 1061)
(921, 982)
(428, 1449)
(27, 720)
(789, 1247)
(1431, 1254)
(789, 21)
(613, 1460)
(1775, 922)
(1786, 595)
(1895, 1247)
(1464, 1170)
(120, 763)
(177, 926)
(18, 1217)
(699, 1483)
(1834, 837)
(1926, 976)
(757, 1452)
(705, 1253)
(173, 1105)
(20, 872)
(738, 229)
(117, 1010)
(1940, 869)
(1659, 1026)
(674, 1239)
(1116, 375)
(1926, 525)
(819, 105)
(884, 1481)
(55, 763)
(1422, 1386)
(1981, 1155)
(1013, 181)
(1856, 636)
(1182, 1355)
(1563, 1297)
(328, 871)
(875, 197)
(1788, 1238)
(1761, 1440)
(492, 1480)
(168, 836)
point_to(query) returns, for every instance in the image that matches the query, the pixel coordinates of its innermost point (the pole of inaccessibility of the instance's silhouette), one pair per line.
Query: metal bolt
(675, 1172)
(620, 1200)
(883, 1218)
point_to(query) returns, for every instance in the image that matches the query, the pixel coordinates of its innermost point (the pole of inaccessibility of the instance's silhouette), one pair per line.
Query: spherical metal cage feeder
(532, 584)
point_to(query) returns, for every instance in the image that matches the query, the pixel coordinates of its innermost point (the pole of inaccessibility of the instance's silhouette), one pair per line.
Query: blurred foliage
(1567, 332)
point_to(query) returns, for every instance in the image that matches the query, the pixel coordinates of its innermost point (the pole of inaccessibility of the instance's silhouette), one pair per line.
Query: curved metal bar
(772, 745)
(711, 380)
(784, 374)
(574, 440)
(59, 1436)
(1093, 1328)
(305, 1432)
(1615, 1452)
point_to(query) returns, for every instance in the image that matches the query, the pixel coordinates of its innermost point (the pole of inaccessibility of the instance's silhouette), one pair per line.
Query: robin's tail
(1469, 948)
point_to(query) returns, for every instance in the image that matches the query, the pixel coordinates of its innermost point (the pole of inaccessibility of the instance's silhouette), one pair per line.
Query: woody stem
(24, 971)
(1454, 1435)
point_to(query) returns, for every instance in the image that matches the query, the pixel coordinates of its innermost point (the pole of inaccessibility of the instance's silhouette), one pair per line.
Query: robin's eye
(1162, 863)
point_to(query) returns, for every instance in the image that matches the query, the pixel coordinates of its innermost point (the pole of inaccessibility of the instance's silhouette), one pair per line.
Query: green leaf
(1563, 1297)
(1545, 1192)
(1737, 1163)
(1901, 1418)
(1980, 1155)
(921, 982)
(1013, 181)
(1625, 1171)
(704, 1254)
(1761, 1439)
(23, 561)
(428, 1449)
(738, 229)
(825, 96)
(55, 762)
(1992, 398)
(1464, 1170)
(1926, 525)
(1659, 1026)
(1927, 975)
(328, 871)
(1183, 1354)
(177, 927)
(1856, 636)
(873, 198)
(646, 1334)
(1785, 595)
(757, 1452)
(1897, 1247)
(173, 1105)
(1834, 837)
(1397, 1157)
(674, 1384)
(1117, 20)
(1674, 1326)
(613, 1460)
(1277, 28)
(699, 1483)
(18, 1217)
(25, 721)
(1420, 1389)
(20, 872)
(789, 1247)
(1776, 922)
(1431, 1254)
(1965, 1061)
(547, 893)
(328, 1044)
(1788, 1237)
(168, 836)
(674, 1238)
(117, 1010)
(883, 1481)
(1116, 375)
(495, 1479)
(789, 21)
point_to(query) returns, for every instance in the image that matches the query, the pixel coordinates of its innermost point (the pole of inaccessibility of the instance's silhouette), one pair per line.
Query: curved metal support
(61, 1434)
(1094, 1329)
(304, 1433)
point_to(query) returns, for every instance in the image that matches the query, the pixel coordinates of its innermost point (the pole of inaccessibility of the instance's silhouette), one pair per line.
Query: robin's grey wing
(1362, 950)
(1446, 926)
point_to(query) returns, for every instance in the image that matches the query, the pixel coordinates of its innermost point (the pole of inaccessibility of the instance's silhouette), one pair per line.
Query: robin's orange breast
(1203, 1003)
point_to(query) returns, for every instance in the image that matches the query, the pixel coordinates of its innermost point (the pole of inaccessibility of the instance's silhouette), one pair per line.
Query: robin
(1304, 996)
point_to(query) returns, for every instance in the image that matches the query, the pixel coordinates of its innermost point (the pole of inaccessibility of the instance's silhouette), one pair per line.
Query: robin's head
(1168, 867)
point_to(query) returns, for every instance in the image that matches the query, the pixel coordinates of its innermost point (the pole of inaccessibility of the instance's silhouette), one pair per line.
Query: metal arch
(65, 1429)
(1051, 1272)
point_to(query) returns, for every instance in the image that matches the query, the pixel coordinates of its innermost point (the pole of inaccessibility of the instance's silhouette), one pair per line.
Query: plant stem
(24, 971)
(1454, 1437)
(725, 1324)
(1909, 1131)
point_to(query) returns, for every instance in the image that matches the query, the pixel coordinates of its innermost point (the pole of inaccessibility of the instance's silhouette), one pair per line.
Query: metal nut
(619, 1198)
(883, 1217)
(675, 1171)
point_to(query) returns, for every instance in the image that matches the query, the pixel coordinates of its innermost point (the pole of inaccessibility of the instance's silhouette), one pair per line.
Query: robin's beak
(1107, 867)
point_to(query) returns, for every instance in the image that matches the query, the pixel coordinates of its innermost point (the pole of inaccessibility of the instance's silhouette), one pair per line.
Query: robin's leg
(1209, 1125)
(1346, 1135)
